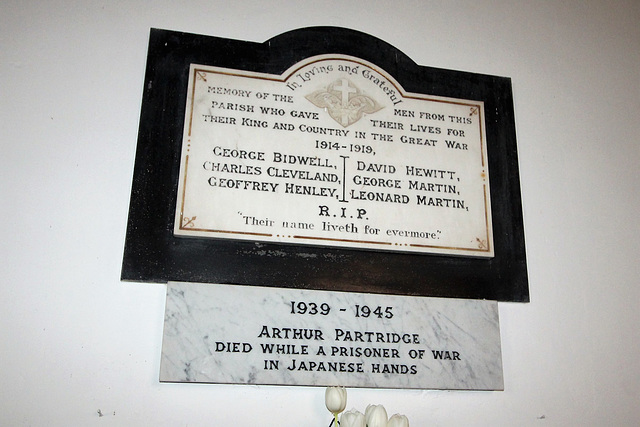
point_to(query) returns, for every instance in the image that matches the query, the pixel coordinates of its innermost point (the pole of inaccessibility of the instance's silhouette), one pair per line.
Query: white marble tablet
(256, 335)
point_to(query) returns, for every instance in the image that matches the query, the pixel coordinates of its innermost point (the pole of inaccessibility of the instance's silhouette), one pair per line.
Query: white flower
(376, 416)
(336, 399)
(398, 420)
(352, 418)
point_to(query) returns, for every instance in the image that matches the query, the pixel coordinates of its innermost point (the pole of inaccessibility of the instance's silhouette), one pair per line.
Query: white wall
(74, 340)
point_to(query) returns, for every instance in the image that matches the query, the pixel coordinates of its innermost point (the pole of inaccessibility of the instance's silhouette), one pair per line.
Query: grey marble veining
(256, 335)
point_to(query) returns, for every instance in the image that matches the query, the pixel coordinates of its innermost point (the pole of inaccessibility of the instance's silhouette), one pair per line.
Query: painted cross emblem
(344, 102)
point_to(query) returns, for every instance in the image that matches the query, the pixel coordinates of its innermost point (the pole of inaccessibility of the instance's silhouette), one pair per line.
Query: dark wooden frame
(153, 254)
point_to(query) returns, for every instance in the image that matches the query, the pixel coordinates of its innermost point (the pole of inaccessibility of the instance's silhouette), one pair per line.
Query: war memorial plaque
(333, 153)
(324, 159)
(233, 334)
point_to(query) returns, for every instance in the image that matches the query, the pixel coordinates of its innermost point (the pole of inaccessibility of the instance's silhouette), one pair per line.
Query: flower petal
(398, 420)
(376, 416)
(352, 418)
(335, 398)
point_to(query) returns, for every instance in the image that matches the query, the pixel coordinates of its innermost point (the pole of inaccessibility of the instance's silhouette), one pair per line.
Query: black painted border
(153, 254)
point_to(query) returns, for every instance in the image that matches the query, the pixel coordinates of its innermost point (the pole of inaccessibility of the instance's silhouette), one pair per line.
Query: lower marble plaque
(253, 335)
